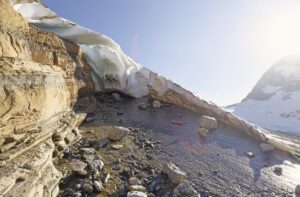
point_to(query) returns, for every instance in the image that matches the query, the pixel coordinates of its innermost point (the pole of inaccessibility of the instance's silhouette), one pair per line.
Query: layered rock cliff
(41, 78)
(48, 65)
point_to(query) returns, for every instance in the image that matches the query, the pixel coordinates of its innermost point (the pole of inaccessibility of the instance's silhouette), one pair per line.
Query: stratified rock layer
(41, 78)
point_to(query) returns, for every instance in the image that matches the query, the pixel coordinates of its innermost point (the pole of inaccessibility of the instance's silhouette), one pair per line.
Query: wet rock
(101, 143)
(134, 181)
(278, 170)
(203, 132)
(117, 146)
(156, 104)
(88, 151)
(177, 122)
(78, 167)
(185, 189)
(117, 133)
(142, 106)
(208, 122)
(266, 147)
(249, 154)
(297, 190)
(136, 194)
(89, 119)
(116, 96)
(175, 175)
(95, 164)
(98, 186)
(86, 187)
(137, 188)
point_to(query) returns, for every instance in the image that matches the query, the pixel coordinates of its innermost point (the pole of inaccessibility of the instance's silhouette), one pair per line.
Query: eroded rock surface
(41, 79)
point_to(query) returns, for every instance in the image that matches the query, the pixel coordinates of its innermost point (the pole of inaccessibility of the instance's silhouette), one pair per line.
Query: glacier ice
(111, 68)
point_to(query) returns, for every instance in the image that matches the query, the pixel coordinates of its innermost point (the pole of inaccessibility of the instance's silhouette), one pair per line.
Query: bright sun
(283, 34)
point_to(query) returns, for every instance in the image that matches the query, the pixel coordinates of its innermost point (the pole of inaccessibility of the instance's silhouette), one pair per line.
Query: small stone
(278, 170)
(88, 157)
(156, 104)
(98, 186)
(76, 194)
(116, 96)
(89, 119)
(78, 167)
(137, 188)
(185, 189)
(136, 194)
(250, 154)
(117, 146)
(177, 122)
(142, 106)
(101, 143)
(202, 132)
(107, 177)
(78, 186)
(297, 190)
(87, 188)
(208, 122)
(88, 151)
(134, 181)
(266, 147)
(175, 175)
(96, 164)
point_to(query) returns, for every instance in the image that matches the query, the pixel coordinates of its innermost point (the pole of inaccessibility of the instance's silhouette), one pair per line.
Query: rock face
(38, 88)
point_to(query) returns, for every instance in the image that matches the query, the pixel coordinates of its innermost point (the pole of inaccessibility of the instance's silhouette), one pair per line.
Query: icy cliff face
(111, 68)
(274, 102)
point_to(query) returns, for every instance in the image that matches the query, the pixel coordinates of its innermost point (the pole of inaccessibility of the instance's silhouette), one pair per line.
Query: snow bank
(111, 68)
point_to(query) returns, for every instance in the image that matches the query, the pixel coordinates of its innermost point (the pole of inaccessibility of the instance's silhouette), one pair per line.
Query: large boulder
(174, 173)
(114, 133)
(208, 122)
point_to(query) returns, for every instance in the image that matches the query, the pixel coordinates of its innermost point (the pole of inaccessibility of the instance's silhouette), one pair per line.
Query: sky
(215, 48)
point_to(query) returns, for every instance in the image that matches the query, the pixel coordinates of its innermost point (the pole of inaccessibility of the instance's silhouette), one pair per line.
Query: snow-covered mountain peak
(274, 101)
